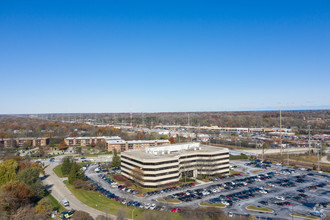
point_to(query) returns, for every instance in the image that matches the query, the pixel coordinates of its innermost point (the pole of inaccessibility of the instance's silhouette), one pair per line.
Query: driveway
(59, 190)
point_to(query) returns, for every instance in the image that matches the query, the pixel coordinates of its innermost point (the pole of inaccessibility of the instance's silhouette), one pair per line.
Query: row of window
(158, 180)
(150, 169)
(204, 161)
(201, 155)
(155, 175)
(152, 164)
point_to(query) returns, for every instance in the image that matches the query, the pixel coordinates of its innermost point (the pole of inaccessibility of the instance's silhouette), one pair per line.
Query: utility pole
(281, 135)
(309, 140)
(318, 159)
(189, 128)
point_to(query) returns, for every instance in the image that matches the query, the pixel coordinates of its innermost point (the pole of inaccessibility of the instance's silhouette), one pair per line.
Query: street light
(132, 213)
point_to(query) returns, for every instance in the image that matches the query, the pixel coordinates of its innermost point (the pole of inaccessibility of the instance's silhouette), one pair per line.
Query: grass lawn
(257, 171)
(213, 205)
(56, 205)
(232, 172)
(259, 209)
(303, 216)
(58, 171)
(104, 204)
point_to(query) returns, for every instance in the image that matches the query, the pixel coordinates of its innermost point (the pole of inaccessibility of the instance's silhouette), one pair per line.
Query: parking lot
(282, 189)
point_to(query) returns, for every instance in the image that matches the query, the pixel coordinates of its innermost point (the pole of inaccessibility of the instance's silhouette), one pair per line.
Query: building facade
(163, 165)
(14, 142)
(121, 145)
(85, 141)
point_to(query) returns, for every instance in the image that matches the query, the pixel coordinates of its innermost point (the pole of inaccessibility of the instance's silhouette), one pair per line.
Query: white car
(279, 197)
(147, 206)
(153, 206)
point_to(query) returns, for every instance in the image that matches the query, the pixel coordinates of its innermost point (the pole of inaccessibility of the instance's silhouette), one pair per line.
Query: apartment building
(84, 141)
(163, 165)
(35, 142)
(121, 145)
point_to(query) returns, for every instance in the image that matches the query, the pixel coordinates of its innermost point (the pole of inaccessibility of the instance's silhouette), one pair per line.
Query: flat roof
(100, 137)
(136, 141)
(170, 151)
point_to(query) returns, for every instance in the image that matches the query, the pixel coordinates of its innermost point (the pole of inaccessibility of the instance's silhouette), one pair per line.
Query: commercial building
(121, 145)
(84, 141)
(159, 166)
(32, 141)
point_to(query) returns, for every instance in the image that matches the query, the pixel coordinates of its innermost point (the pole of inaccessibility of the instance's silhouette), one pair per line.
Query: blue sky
(154, 56)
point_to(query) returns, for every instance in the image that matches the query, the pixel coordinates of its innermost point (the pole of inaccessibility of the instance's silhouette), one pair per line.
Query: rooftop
(136, 141)
(101, 137)
(170, 151)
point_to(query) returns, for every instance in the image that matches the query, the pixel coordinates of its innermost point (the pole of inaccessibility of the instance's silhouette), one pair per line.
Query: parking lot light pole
(133, 213)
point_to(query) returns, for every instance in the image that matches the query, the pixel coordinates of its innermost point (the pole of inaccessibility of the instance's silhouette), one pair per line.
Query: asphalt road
(59, 190)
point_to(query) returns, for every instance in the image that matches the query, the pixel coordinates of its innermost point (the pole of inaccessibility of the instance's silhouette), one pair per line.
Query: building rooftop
(170, 151)
(101, 137)
(136, 141)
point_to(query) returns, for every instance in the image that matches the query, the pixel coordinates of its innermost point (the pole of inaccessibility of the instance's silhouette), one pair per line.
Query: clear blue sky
(108, 56)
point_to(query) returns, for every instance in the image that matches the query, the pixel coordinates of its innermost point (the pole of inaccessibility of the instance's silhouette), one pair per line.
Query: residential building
(33, 141)
(121, 145)
(164, 165)
(84, 141)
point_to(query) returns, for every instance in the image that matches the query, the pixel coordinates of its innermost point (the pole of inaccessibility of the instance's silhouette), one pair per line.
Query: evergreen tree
(75, 173)
(115, 160)
(66, 166)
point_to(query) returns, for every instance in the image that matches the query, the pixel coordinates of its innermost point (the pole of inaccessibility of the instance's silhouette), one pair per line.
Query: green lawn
(259, 209)
(102, 203)
(58, 171)
(232, 172)
(213, 205)
(56, 205)
(303, 216)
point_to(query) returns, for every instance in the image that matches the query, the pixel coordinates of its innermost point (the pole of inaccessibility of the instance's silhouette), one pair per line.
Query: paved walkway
(325, 159)
(59, 190)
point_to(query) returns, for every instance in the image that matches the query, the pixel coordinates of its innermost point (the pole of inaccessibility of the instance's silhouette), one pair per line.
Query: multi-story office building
(121, 145)
(84, 141)
(163, 165)
(35, 142)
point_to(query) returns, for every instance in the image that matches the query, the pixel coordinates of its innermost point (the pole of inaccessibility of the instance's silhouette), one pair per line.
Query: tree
(81, 215)
(102, 217)
(66, 165)
(252, 217)
(14, 194)
(172, 141)
(121, 213)
(116, 160)
(137, 177)
(62, 145)
(25, 213)
(8, 169)
(75, 173)
(44, 207)
(30, 177)
(164, 137)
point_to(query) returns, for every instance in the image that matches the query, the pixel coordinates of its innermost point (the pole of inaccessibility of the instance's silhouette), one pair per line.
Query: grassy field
(56, 205)
(259, 209)
(213, 205)
(58, 171)
(104, 204)
(232, 172)
(303, 216)
(300, 160)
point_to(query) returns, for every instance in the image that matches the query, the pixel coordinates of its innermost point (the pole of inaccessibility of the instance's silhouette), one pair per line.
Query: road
(59, 190)
(325, 159)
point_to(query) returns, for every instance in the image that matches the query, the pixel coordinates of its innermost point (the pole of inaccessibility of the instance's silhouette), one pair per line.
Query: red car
(176, 209)
(287, 203)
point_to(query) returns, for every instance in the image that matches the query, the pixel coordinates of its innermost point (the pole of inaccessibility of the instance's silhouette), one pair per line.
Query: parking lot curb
(259, 210)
